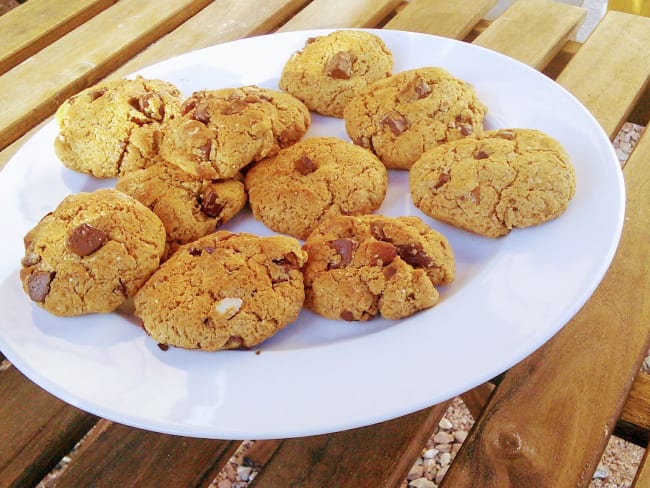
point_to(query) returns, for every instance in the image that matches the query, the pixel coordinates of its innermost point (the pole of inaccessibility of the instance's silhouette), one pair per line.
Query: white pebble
(441, 474)
(244, 472)
(430, 453)
(445, 458)
(443, 438)
(445, 424)
(460, 435)
(422, 483)
(601, 473)
(417, 471)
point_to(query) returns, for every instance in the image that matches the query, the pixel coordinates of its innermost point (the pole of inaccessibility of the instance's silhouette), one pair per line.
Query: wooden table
(549, 418)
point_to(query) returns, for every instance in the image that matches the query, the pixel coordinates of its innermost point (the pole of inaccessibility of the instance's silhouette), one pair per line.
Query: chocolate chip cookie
(188, 206)
(494, 182)
(361, 266)
(222, 131)
(114, 127)
(224, 291)
(331, 69)
(400, 117)
(91, 253)
(313, 180)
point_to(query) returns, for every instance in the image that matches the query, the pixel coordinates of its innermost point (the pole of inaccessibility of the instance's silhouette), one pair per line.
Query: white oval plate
(316, 376)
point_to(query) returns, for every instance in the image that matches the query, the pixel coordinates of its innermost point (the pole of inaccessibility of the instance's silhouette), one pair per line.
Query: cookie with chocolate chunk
(361, 266)
(91, 253)
(331, 69)
(222, 131)
(114, 127)
(494, 182)
(188, 206)
(400, 117)
(313, 180)
(224, 291)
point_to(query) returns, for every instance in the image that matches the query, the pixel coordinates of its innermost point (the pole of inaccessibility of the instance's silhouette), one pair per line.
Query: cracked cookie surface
(224, 291)
(114, 127)
(331, 69)
(313, 180)
(222, 131)
(361, 266)
(400, 117)
(91, 253)
(188, 206)
(494, 182)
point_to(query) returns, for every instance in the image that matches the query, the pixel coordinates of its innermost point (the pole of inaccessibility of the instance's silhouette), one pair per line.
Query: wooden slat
(33, 90)
(441, 17)
(36, 430)
(36, 24)
(341, 13)
(476, 398)
(634, 424)
(116, 455)
(525, 33)
(221, 21)
(549, 419)
(377, 455)
(621, 40)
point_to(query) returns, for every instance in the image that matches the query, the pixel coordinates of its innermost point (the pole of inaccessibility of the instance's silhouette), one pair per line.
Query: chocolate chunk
(235, 342)
(339, 66)
(234, 107)
(442, 179)
(481, 154)
(395, 122)
(345, 249)
(389, 272)
(381, 252)
(310, 40)
(475, 194)
(466, 129)
(210, 205)
(163, 347)
(151, 104)
(95, 94)
(38, 285)
(305, 165)
(194, 251)
(421, 88)
(201, 113)
(85, 239)
(414, 255)
(188, 105)
(347, 315)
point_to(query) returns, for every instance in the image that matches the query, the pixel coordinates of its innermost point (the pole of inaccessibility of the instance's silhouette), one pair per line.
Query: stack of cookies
(185, 166)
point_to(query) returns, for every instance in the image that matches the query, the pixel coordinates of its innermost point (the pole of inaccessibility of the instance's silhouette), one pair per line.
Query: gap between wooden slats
(36, 430)
(34, 89)
(34, 25)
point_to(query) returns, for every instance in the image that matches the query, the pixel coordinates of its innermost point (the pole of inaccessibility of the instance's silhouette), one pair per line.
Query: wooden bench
(549, 418)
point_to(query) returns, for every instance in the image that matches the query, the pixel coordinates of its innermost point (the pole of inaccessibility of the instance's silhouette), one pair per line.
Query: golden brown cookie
(188, 206)
(91, 253)
(222, 131)
(113, 127)
(331, 69)
(491, 183)
(313, 180)
(224, 291)
(361, 266)
(400, 117)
